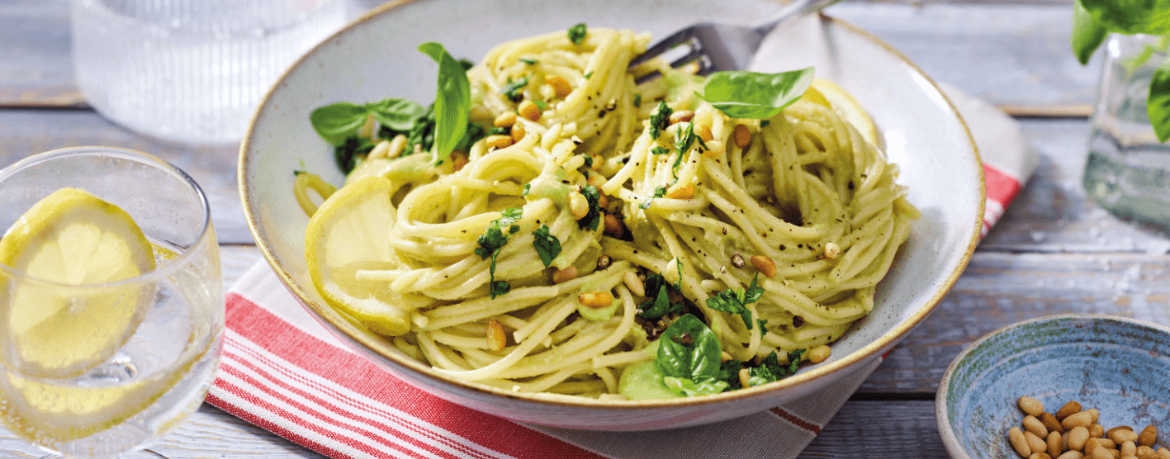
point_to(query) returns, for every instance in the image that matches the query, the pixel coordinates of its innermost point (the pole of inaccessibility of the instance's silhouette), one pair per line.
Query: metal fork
(718, 47)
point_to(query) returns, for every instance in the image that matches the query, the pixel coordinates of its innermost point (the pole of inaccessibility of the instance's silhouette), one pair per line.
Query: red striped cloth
(282, 371)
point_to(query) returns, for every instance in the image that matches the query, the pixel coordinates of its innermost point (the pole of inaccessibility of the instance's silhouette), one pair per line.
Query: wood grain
(880, 430)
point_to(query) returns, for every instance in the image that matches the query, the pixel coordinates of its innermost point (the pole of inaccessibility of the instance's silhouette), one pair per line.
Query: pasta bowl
(376, 57)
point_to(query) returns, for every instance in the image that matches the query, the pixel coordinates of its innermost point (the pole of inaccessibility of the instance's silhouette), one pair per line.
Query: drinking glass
(1128, 169)
(162, 360)
(191, 71)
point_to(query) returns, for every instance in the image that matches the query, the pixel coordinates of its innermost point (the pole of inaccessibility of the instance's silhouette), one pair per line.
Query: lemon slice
(830, 95)
(72, 237)
(347, 234)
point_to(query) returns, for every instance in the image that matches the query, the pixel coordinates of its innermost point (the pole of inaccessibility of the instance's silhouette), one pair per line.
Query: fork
(718, 47)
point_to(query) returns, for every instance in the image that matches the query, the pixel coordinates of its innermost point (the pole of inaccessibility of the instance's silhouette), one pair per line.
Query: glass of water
(96, 364)
(1128, 169)
(191, 71)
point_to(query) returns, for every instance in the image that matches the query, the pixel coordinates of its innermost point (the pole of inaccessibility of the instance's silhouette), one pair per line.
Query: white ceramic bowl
(376, 57)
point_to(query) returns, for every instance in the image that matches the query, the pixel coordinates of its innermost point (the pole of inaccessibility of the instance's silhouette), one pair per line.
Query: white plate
(376, 57)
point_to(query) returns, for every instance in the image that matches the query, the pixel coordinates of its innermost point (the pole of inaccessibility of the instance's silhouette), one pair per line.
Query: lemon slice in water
(71, 237)
(348, 234)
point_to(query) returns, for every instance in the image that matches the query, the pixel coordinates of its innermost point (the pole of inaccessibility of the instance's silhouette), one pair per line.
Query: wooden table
(1053, 252)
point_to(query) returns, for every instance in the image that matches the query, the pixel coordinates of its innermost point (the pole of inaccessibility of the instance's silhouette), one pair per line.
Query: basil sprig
(336, 122)
(452, 101)
(753, 95)
(689, 358)
(1093, 20)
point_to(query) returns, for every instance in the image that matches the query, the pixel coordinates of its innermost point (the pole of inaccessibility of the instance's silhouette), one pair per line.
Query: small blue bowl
(1119, 366)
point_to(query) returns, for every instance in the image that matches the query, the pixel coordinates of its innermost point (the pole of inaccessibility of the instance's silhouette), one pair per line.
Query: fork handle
(793, 10)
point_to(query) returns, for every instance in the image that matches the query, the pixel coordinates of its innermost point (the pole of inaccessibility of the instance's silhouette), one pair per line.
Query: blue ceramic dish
(1117, 365)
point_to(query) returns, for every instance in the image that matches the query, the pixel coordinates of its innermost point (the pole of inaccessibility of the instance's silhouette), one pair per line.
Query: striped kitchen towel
(284, 372)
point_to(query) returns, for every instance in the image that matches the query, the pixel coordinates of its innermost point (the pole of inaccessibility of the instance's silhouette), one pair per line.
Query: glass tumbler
(191, 71)
(1128, 169)
(102, 369)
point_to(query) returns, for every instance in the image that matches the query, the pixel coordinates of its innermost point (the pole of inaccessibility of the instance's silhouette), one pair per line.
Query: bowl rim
(941, 408)
(346, 331)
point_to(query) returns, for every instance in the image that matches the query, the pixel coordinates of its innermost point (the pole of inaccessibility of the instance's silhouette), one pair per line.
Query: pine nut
(1145, 452)
(1071, 455)
(595, 299)
(1122, 436)
(704, 132)
(603, 262)
(1092, 445)
(1094, 413)
(1148, 436)
(1163, 453)
(504, 120)
(742, 135)
(518, 132)
(560, 86)
(1039, 456)
(1128, 449)
(1082, 419)
(602, 199)
(681, 192)
(1051, 423)
(745, 378)
(496, 339)
(529, 110)
(681, 116)
(1034, 443)
(737, 260)
(831, 252)
(613, 226)
(396, 146)
(1105, 442)
(1031, 424)
(819, 354)
(499, 141)
(1096, 431)
(1077, 437)
(723, 357)
(1027, 404)
(634, 284)
(381, 150)
(1016, 437)
(564, 275)
(1068, 409)
(1053, 444)
(766, 266)
(714, 149)
(1102, 453)
(578, 205)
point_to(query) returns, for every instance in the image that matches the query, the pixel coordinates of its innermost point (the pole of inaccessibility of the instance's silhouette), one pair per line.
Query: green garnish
(659, 120)
(493, 240)
(689, 358)
(591, 220)
(514, 90)
(540, 104)
(735, 301)
(547, 245)
(577, 33)
(637, 100)
(336, 122)
(588, 74)
(528, 60)
(452, 101)
(752, 95)
(659, 191)
(659, 151)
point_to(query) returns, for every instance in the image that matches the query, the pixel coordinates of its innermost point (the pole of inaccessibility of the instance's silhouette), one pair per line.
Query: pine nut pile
(1073, 433)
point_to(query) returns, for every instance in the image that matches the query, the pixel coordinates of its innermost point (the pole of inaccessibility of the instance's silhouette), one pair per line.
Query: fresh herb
(689, 358)
(659, 191)
(591, 220)
(659, 151)
(348, 155)
(547, 245)
(735, 301)
(527, 189)
(499, 131)
(765, 123)
(588, 74)
(762, 323)
(771, 370)
(466, 64)
(514, 89)
(729, 373)
(452, 101)
(336, 122)
(637, 100)
(577, 33)
(683, 140)
(588, 161)
(528, 60)
(659, 120)
(660, 305)
(1093, 20)
(493, 240)
(678, 285)
(540, 104)
(752, 95)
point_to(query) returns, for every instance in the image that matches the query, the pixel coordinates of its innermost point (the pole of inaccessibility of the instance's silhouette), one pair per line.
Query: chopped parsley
(593, 218)
(659, 192)
(546, 244)
(765, 123)
(659, 305)
(659, 120)
(637, 100)
(735, 301)
(762, 323)
(499, 131)
(770, 368)
(683, 141)
(588, 74)
(577, 33)
(527, 189)
(678, 263)
(528, 60)
(659, 151)
(514, 89)
(348, 155)
(588, 161)
(540, 104)
(493, 240)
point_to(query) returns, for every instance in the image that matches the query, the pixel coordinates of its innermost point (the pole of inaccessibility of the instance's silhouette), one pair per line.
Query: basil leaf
(688, 349)
(546, 244)
(577, 34)
(452, 101)
(593, 217)
(659, 306)
(1158, 103)
(396, 114)
(1130, 16)
(752, 95)
(689, 388)
(659, 120)
(1086, 34)
(337, 121)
